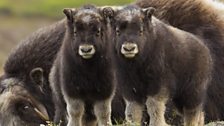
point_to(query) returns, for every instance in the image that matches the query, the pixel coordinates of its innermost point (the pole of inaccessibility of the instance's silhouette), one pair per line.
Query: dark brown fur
(168, 58)
(204, 19)
(90, 80)
(17, 107)
(37, 50)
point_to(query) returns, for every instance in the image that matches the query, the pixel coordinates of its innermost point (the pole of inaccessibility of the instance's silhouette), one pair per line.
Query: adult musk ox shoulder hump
(205, 19)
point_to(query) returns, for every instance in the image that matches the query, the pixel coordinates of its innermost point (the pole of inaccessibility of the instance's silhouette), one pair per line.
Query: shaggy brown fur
(155, 62)
(205, 19)
(83, 70)
(38, 50)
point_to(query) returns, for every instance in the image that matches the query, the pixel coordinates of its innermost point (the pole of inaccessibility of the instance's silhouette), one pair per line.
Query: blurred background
(19, 18)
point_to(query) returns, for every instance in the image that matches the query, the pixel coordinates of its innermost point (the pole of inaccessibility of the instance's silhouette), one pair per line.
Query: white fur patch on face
(130, 14)
(10, 82)
(87, 15)
(128, 18)
(86, 19)
(86, 51)
(129, 50)
(85, 11)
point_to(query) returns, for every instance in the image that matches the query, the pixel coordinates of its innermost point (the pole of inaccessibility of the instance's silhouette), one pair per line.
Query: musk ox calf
(157, 62)
(83, 70)
(205, 19)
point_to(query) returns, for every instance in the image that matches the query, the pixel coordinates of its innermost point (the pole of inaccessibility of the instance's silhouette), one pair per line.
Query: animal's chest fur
(137, 83)
(89, 84)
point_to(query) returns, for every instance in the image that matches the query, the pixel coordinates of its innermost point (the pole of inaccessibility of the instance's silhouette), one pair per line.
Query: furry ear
(36, 75)
(107, 12)
(149, 12)
(69, 12)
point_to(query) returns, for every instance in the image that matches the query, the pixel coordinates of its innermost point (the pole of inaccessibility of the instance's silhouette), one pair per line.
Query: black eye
(24, 107)
(117, 31)
(26, 112)
(123, 25)
(98, 32)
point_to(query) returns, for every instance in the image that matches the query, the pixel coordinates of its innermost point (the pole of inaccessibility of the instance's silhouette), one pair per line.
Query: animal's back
(37, 50)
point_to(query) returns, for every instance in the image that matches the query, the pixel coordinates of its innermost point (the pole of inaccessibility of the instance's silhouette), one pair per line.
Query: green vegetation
(48, 8)
(221, 123)
(218, 123)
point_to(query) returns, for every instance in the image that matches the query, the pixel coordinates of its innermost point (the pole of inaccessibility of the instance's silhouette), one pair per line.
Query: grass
(49, 8)
(219, 123)
(49, 123)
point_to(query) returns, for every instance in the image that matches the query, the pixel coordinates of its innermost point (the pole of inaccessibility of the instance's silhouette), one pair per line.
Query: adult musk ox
(24, 85)
(83, 70)
(157, 62)
(18, 107)
(203, 18)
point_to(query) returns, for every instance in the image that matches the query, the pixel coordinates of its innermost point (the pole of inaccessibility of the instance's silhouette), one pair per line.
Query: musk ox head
(86, 31)
(18, 107)
(132, 30)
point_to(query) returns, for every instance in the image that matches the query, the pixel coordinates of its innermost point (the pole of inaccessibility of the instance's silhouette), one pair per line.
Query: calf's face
(87, 27)
(131, 28)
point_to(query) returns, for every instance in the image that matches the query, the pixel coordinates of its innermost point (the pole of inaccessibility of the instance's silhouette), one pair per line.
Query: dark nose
(86, 49)
(129, 48)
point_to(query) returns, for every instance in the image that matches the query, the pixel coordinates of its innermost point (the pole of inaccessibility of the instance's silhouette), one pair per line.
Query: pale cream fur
(156, 107)
(102, 111)
(194, 117)
(75, 110)
(133, 112)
